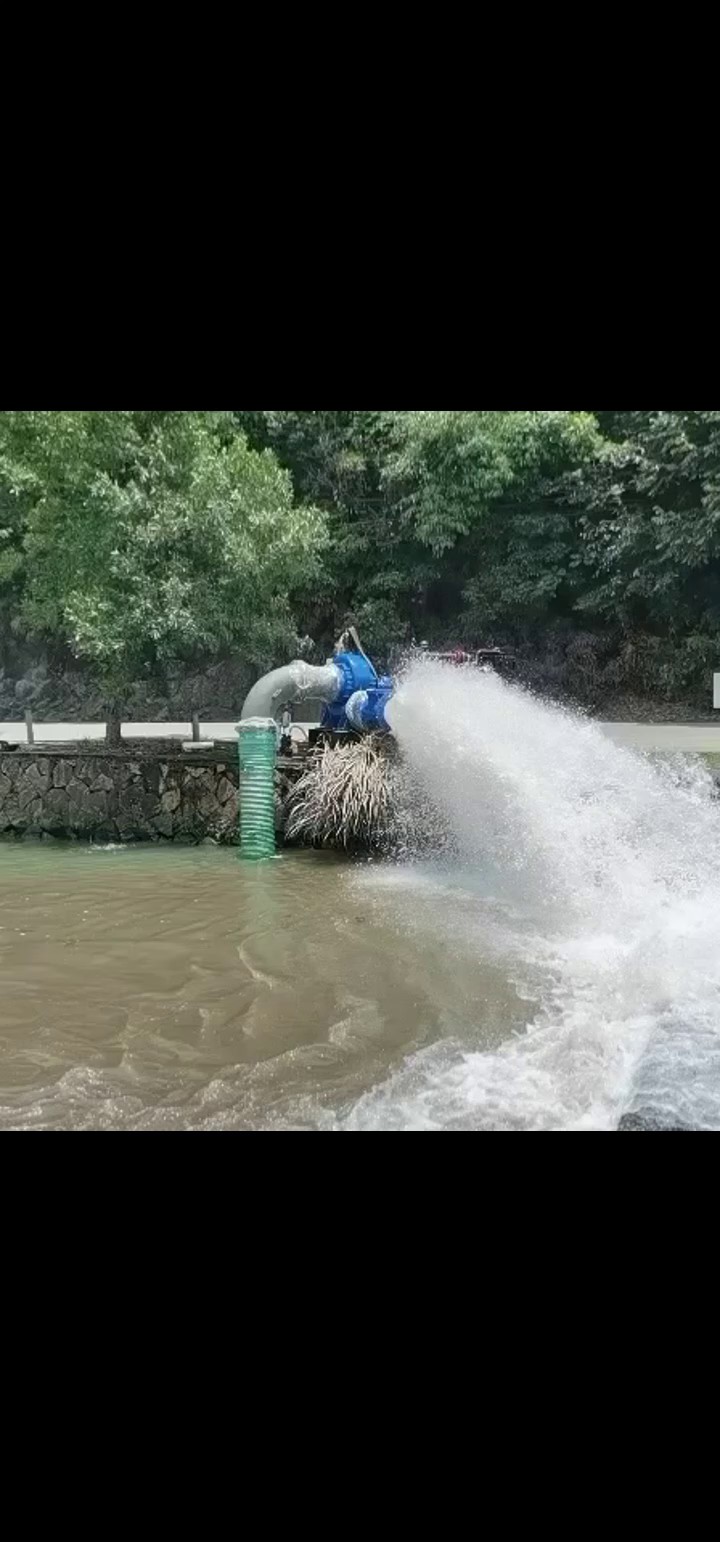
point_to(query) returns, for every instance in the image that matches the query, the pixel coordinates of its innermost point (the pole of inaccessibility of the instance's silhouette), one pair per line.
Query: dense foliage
(144, 538)
(590, 541)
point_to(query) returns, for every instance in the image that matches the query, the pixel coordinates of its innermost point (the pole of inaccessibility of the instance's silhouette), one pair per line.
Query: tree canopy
(145, 537)
(141, 539)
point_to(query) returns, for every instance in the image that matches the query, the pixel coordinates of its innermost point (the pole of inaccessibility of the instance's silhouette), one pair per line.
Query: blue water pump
(361, 698)
(365, 710)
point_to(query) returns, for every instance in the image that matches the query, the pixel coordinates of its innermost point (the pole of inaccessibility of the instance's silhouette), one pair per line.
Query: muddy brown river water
(550, 962)
(180, 988)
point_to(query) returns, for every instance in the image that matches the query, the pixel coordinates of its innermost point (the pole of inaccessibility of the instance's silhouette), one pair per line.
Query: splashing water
(593, 872)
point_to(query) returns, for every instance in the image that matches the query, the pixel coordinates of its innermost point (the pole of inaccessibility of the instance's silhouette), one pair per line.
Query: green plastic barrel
(257, 740)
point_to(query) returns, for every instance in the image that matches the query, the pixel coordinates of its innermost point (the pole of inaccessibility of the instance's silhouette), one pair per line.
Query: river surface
(545, 958)
(152, 987)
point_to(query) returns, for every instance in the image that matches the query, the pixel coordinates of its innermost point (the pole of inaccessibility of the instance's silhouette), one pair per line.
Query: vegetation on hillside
(590, 542)
(142, 539)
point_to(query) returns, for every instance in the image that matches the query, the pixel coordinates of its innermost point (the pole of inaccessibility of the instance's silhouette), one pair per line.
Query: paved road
(57, 732)
(659, 736)
(697, 737)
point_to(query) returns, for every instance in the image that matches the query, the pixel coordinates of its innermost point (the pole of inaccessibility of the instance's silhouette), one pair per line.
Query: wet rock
(224, 789)
(135, 823)
(62, 773)
(33, 817)
(8, 814)
(163, 824)
(649, 1121)
(36, 778)
(113, 802)
(140, 804)
(57, 805)
(170, 800)
(207, 816)
(128, 828)
(31, 785)
(85, 808)
(102, 783)
(152, 777)
(230, 812)
(78, 793)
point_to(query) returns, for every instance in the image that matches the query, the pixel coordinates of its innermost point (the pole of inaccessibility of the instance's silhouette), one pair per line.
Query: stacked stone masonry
(110, 797)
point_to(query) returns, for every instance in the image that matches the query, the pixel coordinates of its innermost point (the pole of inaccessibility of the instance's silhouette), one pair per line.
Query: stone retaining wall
(109, 796)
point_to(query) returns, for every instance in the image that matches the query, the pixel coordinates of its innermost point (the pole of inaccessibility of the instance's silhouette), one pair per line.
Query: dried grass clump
(347, 797)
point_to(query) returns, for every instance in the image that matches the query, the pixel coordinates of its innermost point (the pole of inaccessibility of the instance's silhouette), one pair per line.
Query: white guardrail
(692, 737)
(59, 733)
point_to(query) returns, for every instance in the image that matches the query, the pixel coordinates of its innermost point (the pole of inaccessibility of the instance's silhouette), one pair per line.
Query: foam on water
(594, 873)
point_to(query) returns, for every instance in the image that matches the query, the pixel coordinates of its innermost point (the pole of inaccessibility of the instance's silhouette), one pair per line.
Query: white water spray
(594, 873)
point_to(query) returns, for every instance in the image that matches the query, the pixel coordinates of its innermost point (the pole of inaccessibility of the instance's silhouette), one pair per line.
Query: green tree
(650, 526)
(648, 554)
(147, 539)
(337, 461)
(482, 491)
(18, 491)
(439, 521)
(150, 538)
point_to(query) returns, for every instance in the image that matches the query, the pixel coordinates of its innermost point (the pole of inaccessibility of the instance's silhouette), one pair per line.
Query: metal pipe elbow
(291, 683)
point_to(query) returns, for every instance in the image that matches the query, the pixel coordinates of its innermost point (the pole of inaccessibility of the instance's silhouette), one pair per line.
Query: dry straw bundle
(348, 796)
